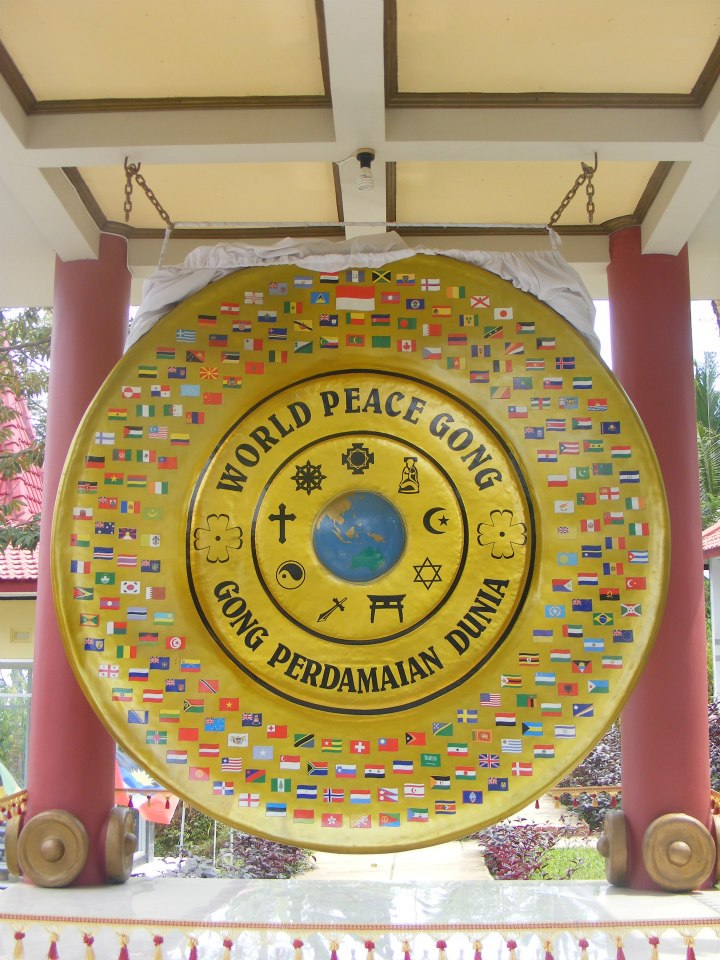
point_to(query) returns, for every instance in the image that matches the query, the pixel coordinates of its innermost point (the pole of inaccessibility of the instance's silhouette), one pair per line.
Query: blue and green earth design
(359, 536)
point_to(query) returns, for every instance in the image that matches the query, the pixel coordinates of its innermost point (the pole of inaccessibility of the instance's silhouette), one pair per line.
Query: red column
(665, 751)
(71, 755)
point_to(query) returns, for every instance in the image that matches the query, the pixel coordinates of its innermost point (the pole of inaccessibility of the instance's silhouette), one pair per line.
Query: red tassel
(406, 950)
(167, 803)
(613, 800)
(690, 943)
(131, 805)
(477, 946)
(193, 948)
(548, 950)
(620, 954)
(18, 949)
(89, 940)
(123, 955)
(537, 804)
(575, 801)
(53, 951)
(334, 949)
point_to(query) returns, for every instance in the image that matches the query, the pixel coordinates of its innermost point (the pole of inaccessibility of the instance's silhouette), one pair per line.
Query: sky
(706, 338)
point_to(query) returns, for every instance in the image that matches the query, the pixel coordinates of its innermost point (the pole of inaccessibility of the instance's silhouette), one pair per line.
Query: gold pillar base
(120, 845)
(52, 848)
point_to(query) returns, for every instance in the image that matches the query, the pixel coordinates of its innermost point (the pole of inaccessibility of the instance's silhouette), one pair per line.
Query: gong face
(338, 520)
(360, 561)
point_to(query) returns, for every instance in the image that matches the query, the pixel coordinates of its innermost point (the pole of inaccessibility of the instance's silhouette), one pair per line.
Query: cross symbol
(282, 517)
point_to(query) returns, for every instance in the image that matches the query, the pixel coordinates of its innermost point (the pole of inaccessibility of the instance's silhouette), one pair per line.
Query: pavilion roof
(479, 116)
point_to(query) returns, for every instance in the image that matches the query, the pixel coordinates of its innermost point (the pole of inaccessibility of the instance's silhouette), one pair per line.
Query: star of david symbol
(427, 573)
(308, 477)
(357, 458)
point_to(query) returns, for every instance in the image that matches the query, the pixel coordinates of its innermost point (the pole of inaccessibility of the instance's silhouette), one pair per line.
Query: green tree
(24, 369)
(707, 401)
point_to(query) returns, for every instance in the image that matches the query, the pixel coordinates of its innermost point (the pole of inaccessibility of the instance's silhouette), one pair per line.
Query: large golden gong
(361, 560)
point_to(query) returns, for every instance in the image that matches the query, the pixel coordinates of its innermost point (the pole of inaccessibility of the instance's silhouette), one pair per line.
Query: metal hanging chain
(132, 172)
(584, 178)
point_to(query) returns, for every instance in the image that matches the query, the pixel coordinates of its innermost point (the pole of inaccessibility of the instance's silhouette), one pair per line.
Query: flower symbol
(218, 538)
(502, 534)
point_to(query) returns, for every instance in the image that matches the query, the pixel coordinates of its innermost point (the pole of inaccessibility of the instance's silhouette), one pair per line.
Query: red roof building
(711, 542)
(18, 568)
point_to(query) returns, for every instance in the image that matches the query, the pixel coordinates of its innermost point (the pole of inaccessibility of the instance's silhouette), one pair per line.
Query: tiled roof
(28, 486)
(711, 541)
(16, 565)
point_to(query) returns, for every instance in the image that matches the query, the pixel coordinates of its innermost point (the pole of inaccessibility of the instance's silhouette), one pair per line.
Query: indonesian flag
(355, 298)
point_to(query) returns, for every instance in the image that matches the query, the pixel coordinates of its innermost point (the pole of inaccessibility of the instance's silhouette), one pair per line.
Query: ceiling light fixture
(365, 157)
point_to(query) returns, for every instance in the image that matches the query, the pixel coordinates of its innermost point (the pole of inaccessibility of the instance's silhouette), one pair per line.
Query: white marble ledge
(263, 917)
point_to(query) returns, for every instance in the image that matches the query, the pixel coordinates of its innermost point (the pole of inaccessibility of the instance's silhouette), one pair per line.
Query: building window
(15, 694)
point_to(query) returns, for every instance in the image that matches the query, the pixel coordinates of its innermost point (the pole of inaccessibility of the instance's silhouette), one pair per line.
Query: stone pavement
(457, 860)
(550, 813)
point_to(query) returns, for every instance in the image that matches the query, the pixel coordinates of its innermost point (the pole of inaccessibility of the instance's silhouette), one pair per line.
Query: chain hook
(585, 177)
(132, 172)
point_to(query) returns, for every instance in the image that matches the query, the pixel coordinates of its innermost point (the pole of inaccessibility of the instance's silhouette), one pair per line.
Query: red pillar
(71, 755)
(665, 751)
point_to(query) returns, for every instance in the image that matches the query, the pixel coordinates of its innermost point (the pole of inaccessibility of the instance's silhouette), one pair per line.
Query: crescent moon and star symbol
(440, 522)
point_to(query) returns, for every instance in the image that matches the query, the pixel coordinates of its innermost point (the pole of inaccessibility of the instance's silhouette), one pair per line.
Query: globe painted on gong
(359, 536)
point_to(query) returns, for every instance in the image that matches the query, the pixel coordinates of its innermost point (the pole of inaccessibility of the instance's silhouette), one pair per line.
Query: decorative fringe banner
(12, 805)
(36, 938)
